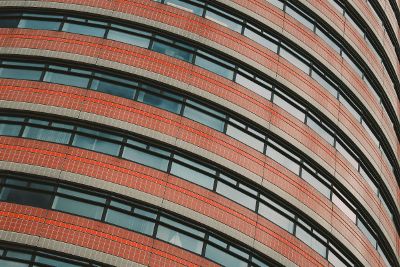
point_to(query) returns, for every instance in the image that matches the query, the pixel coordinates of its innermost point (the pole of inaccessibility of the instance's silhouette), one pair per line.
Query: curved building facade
(199, 133)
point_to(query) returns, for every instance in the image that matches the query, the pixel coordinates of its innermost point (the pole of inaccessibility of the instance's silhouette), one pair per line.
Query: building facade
(199, 133)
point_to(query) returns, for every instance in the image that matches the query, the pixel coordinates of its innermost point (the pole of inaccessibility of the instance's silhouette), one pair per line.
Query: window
(179, 239)
(343, 207)
(145, 158)
(306, 237)
(320, 131)
(214, 67)
(262, 40)
(283, 160)
(276, 217)
(159, 101)
(83, 29)
(289, 108)
(67, 204)
(112, 88)
(224, 20)
(297, 14)
(223, 257)
(39, 24)
(255, 87)
(289, 56)
(244, 137)
(46, 135)
(9, 129)
(96, 144)
(67, 79)
(172, 51)
(324, 83)
(21, 74)
(347, 155)
(25, 197)
(322, 188)
(185, 6)
(203, 118)
(192, 175)
(130, 222)
(128, 38)
(236, 195)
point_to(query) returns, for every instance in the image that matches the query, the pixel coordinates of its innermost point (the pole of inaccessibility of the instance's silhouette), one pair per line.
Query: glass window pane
(20, 74)
(203, 118)
(324, 83)
(172, 51)
(192, 175)
(223, 258)
(119, 218)
(112, 89)
(328, 39)
(236, 195)
(25, 197)
(300, 17)
(77, 207)
(367, 233)
(96, 144)
(350, 108)
(257, 37)
(353, 161)
(294, 60)
(185, 6)
(128, 38)
(332, 258)
(283, 160)
(289, 108)
(66, 79)
(100, 134)
(245, 138)
(54, 262)
(130, 222)
(181, 226)
(179, 239)
(9, 22)
(9, 129)
(214, 67)
(276, 217)
(46, 135)
(224, 21)
(142, 226)
(255, 87)
(322, 188)
(78, 194)
(83, 29)
(18, 255)
(311, 241)
(39, 24)
(11, 263)
(145, 158)
(320, 131)
(343, 207)
(276, 3)
(159, 101)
